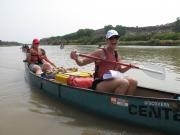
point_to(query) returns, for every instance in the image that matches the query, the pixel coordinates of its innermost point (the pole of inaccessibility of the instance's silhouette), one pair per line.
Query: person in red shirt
(122, 85)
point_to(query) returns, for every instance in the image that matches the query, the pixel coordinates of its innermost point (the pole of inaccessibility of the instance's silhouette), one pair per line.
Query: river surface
(26, 111)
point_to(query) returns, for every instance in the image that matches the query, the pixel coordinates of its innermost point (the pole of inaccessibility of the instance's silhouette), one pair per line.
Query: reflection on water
(165, 56)
(90, 123)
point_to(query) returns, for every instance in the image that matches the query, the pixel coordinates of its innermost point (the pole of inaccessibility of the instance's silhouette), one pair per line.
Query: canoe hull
(158, 113)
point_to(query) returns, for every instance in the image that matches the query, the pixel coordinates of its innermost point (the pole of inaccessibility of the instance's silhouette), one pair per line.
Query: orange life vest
(36, 56)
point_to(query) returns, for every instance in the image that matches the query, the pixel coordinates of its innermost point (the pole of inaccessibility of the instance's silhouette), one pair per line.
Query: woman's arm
(49, 61)
(122, 68)
(28, 56)
(81, 61)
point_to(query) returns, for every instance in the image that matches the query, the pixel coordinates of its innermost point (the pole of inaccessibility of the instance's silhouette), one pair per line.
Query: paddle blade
(154, 71)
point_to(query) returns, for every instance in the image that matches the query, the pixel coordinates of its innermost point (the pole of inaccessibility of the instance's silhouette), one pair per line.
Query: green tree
(70, 36)
(176, 27)
(120, 29)
(108, 27)
(85, 33)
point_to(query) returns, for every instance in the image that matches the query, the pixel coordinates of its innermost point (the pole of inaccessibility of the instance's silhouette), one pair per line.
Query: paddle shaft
(128, 65)
(112, 62)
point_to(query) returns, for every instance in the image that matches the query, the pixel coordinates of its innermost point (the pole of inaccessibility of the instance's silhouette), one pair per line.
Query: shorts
(31, 66)
(95, 83)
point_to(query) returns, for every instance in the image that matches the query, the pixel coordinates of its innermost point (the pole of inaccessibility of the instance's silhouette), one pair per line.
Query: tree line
(5, 43)
(168, 34)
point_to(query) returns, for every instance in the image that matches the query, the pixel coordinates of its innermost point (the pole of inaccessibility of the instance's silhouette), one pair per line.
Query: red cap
(35, 41)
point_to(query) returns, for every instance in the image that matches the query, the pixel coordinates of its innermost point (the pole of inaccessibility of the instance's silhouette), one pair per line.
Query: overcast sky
(23, 20)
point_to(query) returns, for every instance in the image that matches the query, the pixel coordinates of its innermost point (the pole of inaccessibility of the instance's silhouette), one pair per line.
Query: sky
(23, 20)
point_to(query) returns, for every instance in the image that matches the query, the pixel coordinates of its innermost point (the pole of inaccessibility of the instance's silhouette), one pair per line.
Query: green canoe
(150, 108)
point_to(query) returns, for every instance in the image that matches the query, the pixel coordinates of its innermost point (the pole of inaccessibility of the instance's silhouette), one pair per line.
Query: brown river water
(26, 111)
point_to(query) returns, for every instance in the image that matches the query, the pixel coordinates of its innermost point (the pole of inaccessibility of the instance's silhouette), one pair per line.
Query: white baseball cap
(111, 33)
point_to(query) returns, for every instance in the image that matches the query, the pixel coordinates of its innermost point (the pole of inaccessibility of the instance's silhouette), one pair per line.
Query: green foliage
(121, 30)
(85, 33)
(141, 37)
(176, 26)
(71, 36)
(82, 36)
(108, 27)
(166, 36)
(97, 40)
(153, 35)
(79, 34)
(9, 43)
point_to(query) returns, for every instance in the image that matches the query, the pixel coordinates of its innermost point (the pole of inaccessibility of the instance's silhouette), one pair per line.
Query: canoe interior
(146, 92)
(151, 93)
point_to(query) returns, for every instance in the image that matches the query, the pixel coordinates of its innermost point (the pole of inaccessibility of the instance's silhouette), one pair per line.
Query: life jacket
(102, 67)
(36, 56)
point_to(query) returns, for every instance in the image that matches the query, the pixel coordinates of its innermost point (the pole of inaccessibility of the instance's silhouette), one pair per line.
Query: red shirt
(102, 67)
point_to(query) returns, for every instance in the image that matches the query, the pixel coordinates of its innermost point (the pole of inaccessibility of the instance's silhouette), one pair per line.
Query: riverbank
(152, 42)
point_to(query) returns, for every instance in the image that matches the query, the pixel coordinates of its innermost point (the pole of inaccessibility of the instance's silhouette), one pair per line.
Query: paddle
(152, 70)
